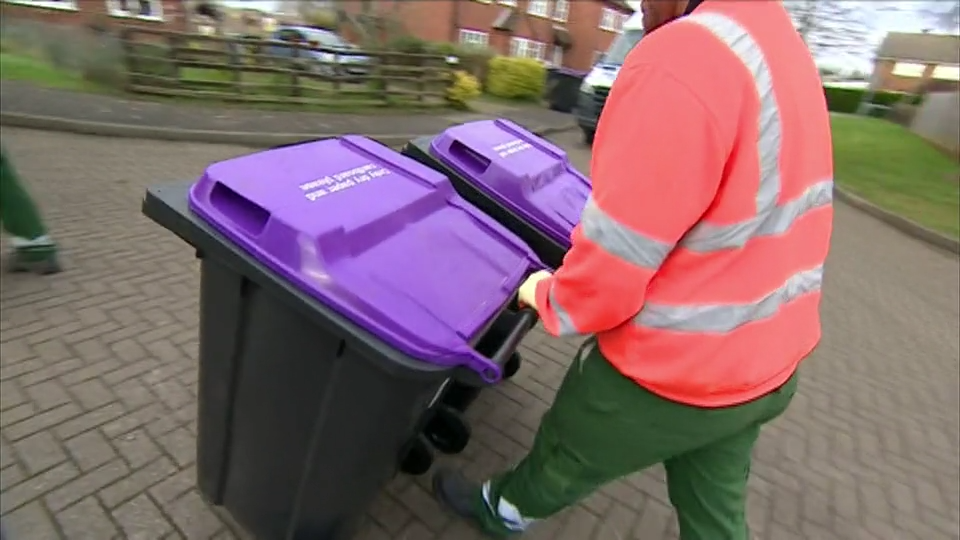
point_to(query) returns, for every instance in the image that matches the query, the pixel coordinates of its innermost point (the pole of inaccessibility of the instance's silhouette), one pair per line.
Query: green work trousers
(603, 426)
(18, 213)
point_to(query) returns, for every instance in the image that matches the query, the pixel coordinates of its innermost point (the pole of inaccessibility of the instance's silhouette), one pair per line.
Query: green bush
(465, 87)
(847, 100)
(516, 78)
(470, 58)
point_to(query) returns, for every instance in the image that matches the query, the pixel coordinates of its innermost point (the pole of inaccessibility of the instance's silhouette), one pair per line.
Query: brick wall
(86, 11)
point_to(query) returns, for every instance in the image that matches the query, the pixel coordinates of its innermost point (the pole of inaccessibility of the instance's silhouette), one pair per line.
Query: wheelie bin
(343, 288)
(521, 180)
(563, 88)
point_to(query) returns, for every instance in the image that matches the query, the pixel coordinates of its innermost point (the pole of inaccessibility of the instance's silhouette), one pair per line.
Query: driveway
(98, 384)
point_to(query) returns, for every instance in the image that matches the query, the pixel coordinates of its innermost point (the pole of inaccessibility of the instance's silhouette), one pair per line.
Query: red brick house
(914, 62)
(568, 33)
(168, 14)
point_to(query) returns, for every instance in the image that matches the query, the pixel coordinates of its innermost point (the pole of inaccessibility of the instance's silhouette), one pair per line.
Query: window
(947, 73)
(906, 69)
(561, 9)
(557, 59)
(474, 38)
(141, 9)
(527, 48)
(610, 20)
(67, 5)
(511, 3)
(540, 8)
(483, 1)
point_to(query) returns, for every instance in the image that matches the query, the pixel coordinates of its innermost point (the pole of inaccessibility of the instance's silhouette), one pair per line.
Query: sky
(882, 23)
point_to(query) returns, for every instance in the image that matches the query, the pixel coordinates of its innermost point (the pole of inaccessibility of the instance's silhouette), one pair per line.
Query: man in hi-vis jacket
(695, 273)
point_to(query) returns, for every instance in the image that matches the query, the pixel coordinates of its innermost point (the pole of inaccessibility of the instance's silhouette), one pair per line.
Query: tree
(942, 15)
(835, 27)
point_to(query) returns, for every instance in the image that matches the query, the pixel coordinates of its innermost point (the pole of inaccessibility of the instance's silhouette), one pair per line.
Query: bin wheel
(447, 431)
(418, 457)
(512, 366)
(588, 135)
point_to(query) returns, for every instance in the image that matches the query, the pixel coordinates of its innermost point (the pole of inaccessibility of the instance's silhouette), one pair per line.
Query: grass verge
(898, 171)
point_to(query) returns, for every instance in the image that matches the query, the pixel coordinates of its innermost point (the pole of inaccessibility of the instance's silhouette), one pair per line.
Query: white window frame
(527, 48)
(946, 72)
(609, 19)
(474, 38)
(156, 10)
(557, 57)
(484, 1)
(561, 10)
(909, 69)
(65, 5)
(511, 3)
(538, 8)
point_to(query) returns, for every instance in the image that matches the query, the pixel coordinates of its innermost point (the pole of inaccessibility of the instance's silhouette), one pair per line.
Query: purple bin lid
(381, 239)
(526, 173)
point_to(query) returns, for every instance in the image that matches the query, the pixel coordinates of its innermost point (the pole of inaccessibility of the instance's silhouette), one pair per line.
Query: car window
(289, 34)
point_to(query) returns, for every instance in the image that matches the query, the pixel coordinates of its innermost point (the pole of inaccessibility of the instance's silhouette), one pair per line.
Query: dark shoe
(41, 261)
(460, 495)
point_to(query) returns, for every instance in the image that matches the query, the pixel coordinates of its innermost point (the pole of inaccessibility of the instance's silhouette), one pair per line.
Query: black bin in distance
(563, 88)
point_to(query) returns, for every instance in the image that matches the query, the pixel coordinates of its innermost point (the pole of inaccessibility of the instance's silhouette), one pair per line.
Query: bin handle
(492, 370)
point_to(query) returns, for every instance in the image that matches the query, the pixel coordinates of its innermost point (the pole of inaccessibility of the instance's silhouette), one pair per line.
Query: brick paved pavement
(97, 385)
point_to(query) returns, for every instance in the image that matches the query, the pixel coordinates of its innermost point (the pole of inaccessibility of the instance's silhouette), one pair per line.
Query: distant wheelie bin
(563, 88)
(521, 180)
(343, 288)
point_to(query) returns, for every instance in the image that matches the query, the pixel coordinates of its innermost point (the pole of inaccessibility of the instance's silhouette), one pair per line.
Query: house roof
(925, 48)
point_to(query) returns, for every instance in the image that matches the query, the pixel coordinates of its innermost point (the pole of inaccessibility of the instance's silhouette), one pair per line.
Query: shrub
(324, 19)
(463, 88)
(516, 78)
(470, 58)
(847, 100)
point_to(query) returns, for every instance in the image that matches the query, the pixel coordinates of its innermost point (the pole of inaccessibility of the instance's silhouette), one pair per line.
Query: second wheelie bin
(521, 180)
(343, 287)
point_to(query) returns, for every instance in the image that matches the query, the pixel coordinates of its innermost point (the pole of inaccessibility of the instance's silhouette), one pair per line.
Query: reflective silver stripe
(565, 323)
(621, 241)
(768, 141)
(775, 222)
(728, 317)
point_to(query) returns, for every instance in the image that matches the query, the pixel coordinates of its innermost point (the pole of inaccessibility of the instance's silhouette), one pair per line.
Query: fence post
(129, 56)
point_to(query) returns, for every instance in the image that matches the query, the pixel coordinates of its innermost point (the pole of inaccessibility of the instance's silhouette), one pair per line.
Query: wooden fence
(196, 66)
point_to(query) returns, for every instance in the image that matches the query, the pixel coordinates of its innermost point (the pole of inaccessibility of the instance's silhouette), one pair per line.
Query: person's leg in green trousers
(33, 250)
(603, 426)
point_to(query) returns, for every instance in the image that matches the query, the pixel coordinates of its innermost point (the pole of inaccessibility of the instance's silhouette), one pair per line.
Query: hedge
(847, 100)
(516, 78)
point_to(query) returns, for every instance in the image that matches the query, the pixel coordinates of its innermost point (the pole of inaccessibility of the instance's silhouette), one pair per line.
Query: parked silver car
(325, 62)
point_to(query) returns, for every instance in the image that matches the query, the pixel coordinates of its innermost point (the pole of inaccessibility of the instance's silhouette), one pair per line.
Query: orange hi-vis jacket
(699, 257)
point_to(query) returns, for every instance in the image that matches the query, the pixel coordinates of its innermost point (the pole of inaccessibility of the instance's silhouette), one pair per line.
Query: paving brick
(86, 520)
(86, 484)
(39, 452)
(90, 450)
(98, 373)
(141, 519)
(139, 481)
(192, 517)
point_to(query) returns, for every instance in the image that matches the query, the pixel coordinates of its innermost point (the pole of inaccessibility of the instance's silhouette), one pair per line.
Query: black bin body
(549, 250)
(563, 89)
(303, 417)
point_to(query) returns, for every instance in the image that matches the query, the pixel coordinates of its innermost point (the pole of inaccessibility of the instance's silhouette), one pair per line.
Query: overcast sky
(883, 23)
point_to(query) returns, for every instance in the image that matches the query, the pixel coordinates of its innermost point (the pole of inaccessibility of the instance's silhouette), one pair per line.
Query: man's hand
(527, 293)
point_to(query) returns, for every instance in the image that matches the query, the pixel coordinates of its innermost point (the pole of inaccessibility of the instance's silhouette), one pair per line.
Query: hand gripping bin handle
(491, 374)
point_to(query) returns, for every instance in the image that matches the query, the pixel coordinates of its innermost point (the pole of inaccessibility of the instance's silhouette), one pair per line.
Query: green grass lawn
(25, 68)
(898, 171)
